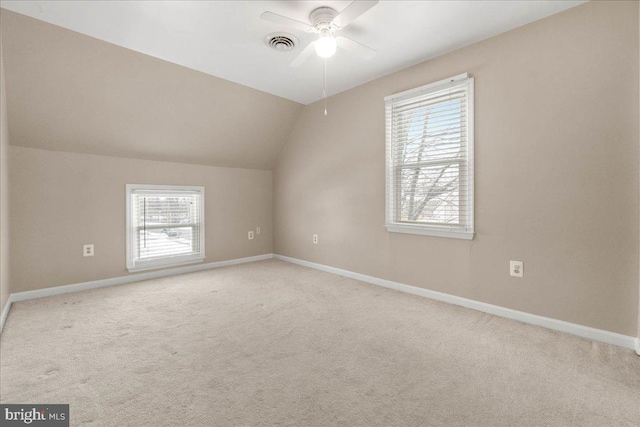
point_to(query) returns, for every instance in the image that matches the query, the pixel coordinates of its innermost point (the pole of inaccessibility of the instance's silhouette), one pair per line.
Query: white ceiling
(225, 38)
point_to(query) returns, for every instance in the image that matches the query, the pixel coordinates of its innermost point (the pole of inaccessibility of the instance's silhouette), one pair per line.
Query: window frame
(134, 265)
(467, 231)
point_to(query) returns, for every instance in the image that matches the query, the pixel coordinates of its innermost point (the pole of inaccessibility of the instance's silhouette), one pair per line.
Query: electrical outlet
(258, 230)
(87, 250)
(517, 268)
(251, 235)
(315, 239)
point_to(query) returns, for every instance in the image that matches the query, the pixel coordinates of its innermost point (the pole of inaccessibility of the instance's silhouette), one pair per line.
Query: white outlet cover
(315, 238)
(251, 235)
(87, 250)
(516, 268)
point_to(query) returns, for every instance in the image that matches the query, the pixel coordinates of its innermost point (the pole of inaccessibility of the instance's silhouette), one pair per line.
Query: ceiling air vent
(281, 41)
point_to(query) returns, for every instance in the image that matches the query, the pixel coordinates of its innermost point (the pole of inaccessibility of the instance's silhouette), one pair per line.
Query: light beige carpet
(271, 343)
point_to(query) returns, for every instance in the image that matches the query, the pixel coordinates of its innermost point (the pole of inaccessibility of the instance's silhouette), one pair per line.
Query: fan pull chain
(324, 87)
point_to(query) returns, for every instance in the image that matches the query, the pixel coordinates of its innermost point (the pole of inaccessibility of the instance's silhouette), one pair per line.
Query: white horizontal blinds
(428, 157)
(165, 224)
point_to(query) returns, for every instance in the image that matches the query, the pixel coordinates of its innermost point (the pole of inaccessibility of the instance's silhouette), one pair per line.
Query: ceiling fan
(325, 23)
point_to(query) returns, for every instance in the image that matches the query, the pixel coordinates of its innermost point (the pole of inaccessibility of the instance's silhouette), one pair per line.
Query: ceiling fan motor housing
(322, 18)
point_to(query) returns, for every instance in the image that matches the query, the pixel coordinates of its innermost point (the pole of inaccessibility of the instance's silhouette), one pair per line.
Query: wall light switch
(315, 239)
(258, 230)
(517, 268)
(87, 250)
(251, 235)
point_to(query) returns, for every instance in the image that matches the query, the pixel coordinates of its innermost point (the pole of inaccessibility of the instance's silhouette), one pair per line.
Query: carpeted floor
(271, 343)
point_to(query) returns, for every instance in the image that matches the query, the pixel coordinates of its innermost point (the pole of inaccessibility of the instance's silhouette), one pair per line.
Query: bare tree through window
(429, 158)
(429, 170)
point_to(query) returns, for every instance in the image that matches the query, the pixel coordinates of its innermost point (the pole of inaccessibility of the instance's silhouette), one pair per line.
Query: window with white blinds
(429, 133)
(165, 226)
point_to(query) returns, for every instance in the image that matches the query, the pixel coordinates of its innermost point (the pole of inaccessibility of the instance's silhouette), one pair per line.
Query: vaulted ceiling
(194, 82)
(225, 38)
(70, 92)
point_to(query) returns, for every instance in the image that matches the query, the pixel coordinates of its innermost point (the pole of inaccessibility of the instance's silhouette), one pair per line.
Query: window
(430, 159)
(165, 226)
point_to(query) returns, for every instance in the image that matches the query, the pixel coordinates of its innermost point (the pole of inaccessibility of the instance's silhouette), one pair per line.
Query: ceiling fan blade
(279, 19)
(352, 12)
(355, 47)
(303, 56)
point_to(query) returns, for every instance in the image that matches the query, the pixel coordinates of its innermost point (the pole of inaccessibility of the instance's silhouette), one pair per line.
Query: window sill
(429, 231)
(164, 264)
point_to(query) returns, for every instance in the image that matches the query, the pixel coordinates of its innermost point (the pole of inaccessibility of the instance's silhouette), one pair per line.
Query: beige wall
(61, 201)
(556, 110)
(5, 288)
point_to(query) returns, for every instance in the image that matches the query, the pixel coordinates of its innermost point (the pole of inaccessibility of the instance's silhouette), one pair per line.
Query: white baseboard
(557, 325)
(5, 311)
(77, 287)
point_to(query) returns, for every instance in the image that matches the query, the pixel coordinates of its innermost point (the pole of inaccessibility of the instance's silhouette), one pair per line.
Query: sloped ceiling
(70, 92)
(225, 38)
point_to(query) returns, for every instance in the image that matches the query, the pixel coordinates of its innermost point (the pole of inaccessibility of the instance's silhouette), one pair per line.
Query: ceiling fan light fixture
(326, 46)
